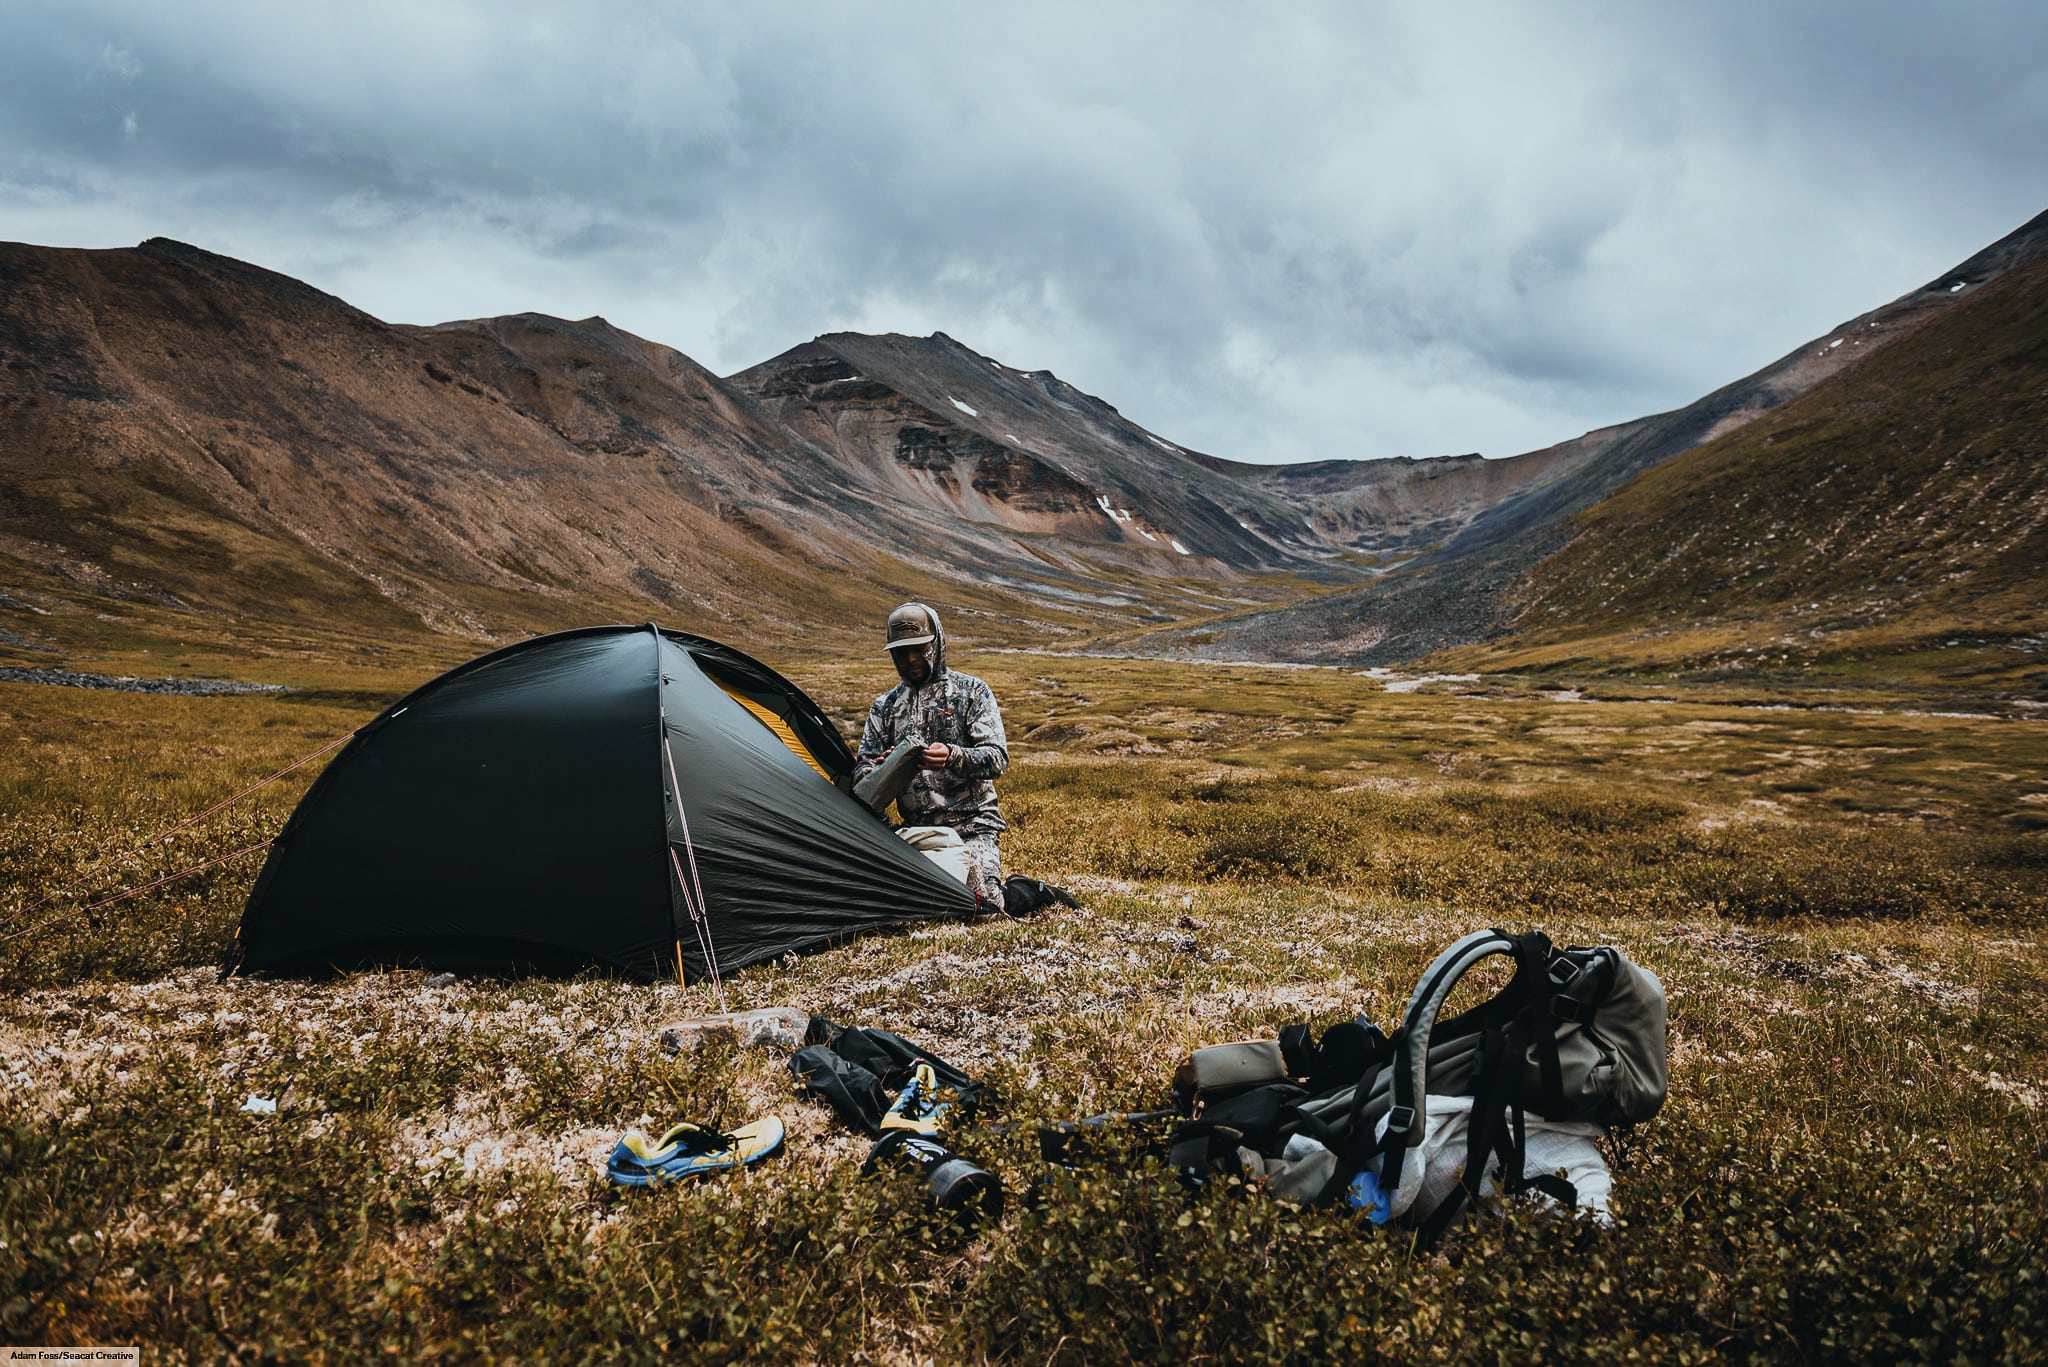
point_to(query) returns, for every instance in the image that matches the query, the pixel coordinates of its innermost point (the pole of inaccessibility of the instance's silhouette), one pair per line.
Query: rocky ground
(128, 683)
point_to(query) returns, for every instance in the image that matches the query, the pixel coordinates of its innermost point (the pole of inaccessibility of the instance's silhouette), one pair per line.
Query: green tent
(624, 797)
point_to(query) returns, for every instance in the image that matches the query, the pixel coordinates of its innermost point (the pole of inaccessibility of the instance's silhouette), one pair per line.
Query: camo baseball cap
(913, 624)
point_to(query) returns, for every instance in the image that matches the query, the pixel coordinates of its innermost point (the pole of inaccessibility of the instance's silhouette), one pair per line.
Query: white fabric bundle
(1566, 1149)
(940, 844)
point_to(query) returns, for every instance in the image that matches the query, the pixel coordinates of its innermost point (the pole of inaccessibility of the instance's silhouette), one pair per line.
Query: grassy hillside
(1893, 520)
(189, 445)
(1453, 601)
(205, 437)
(1845, 907)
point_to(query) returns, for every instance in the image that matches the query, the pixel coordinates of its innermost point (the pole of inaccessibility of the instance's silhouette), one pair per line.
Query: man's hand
(935, 756)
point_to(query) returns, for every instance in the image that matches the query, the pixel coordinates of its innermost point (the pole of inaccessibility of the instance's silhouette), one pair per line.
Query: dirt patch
(1403, 787)
(1755, 811)
(1765, 956)
(1104, 736)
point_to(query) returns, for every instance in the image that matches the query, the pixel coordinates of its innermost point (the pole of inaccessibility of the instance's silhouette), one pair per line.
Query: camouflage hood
(903, 623)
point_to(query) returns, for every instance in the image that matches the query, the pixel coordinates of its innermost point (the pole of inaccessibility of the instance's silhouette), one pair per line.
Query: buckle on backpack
(1400, 1120)
(1562, 971)
(1567, 1008)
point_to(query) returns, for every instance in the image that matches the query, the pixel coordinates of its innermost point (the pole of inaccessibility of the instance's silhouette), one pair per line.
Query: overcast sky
(1272, 232)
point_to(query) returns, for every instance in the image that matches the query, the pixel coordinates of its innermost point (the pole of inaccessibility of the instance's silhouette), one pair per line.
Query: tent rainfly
(622, 797)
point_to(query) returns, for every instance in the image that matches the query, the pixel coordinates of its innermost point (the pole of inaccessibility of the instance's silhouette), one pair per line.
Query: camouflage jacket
(954, 709)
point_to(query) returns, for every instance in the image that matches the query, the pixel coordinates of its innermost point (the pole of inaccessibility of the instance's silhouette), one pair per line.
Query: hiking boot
(689, 1150)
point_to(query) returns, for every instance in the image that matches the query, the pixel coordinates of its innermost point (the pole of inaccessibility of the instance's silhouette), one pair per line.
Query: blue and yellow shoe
(918, 1108)
(690, 1150)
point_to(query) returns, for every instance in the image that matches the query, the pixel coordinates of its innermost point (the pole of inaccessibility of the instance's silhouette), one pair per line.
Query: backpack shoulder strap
(1542, 974)
(1407, 1109)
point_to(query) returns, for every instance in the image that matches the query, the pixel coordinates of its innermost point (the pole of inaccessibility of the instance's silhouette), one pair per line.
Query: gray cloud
(1326, 230)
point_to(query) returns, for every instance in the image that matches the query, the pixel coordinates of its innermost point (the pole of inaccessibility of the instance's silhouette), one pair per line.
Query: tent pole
(700, 913)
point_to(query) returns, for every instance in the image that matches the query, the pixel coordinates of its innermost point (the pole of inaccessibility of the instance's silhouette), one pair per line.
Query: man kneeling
(955, 718)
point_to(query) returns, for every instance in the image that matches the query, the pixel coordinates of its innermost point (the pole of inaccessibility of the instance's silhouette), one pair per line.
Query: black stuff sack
(853, 1069)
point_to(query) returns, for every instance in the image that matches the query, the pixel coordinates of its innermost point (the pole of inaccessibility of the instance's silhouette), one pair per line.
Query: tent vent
(779, 727)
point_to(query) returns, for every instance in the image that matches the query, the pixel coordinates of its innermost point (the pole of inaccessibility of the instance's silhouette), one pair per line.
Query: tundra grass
(1845, 908)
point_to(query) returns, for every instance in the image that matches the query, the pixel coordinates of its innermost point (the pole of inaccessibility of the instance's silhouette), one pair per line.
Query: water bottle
(953, 1185)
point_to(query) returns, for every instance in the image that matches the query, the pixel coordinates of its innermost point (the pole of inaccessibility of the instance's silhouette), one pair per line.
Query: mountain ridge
(181, 428)
(1465, 591)
(191, 434)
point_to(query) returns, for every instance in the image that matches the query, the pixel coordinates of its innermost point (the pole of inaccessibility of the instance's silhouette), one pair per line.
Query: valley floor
(1845, 907)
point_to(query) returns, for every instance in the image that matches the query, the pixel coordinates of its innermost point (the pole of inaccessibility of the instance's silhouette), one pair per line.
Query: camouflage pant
(984, 870)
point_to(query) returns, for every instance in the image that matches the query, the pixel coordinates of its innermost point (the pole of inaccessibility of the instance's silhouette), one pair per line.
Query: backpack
(1576, 1040)
(1577, 1037)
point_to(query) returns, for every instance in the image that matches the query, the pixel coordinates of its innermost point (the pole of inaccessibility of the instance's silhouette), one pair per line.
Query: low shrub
(229, 1235)
(1850, 1168)
(1240, 841)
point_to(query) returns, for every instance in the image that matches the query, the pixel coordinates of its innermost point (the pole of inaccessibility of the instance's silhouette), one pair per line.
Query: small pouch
(1222, 1068)
(888, 780)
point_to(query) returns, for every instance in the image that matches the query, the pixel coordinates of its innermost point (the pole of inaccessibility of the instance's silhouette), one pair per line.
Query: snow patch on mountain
(1115, 514)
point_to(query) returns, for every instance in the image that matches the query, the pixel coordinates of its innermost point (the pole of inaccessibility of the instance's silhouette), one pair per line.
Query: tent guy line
(160, 838)
(132, 892)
